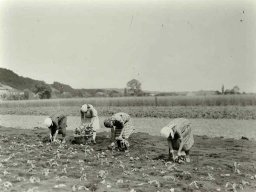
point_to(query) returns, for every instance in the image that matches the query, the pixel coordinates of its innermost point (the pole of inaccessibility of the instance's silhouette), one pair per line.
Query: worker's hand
(111, 146)
(179, 153)
(180, 159)
(171, 155)
(119, 138)
(55, 135)
(50, 137)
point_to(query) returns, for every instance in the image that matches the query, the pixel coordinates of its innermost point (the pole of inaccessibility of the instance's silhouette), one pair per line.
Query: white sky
(173, 45)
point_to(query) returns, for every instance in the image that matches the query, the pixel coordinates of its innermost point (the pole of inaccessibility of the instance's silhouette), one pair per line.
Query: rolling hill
(60, 90)
(9, 78)
(12, 80)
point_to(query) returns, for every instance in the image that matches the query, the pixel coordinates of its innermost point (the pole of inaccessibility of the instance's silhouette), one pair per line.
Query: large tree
(134, 87)
(43, 90)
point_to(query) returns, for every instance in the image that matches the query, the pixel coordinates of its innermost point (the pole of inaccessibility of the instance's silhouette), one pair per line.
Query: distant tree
(134, 88)
(125, 92)
(58, 86)
(222, 90)
(43, 90)
(114, 93)
(79, 93)
(228, 92)
(236, 90)
(26, 94)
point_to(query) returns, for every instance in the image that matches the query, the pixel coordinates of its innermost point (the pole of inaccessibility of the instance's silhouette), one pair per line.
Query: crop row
(217, 100)
(208, 112)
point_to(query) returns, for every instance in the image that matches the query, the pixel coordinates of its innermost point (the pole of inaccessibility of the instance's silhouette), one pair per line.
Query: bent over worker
(89, 117)
(121, 128)
(57, 124)
(179, 137)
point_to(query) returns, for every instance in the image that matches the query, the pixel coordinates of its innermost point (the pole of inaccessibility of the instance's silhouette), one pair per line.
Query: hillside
(9, 78)
(59, 90)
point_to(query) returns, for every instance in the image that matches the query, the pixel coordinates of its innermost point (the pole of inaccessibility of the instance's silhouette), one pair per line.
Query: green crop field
(214, 107)
(217, 100)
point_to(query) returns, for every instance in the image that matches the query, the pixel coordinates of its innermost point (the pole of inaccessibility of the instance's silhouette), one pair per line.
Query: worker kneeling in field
(57, 124)
(121, 129)
(179, 137)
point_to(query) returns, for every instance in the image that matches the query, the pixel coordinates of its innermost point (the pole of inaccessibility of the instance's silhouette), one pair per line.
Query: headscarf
(84, 108)
(167, 132)
(108, 123)
(48, 122)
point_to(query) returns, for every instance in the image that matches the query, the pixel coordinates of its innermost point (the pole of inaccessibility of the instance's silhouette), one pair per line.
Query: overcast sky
(167, 45)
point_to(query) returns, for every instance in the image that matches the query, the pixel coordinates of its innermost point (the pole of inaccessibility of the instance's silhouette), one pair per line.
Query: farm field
(170, 83)
(221, 161)
(206, 112)
(29, 164)
(210, 107)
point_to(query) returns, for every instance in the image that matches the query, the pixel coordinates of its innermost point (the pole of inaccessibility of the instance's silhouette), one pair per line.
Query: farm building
(6, 91)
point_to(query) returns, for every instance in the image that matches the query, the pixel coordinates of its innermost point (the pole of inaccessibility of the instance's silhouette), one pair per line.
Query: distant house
(4, 88)
(3, 92)
(6, 91)
(152, 94)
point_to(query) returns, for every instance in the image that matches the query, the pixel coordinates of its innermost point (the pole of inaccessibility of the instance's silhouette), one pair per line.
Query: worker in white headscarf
(89, 117)
(57, 124)
(179, 137)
